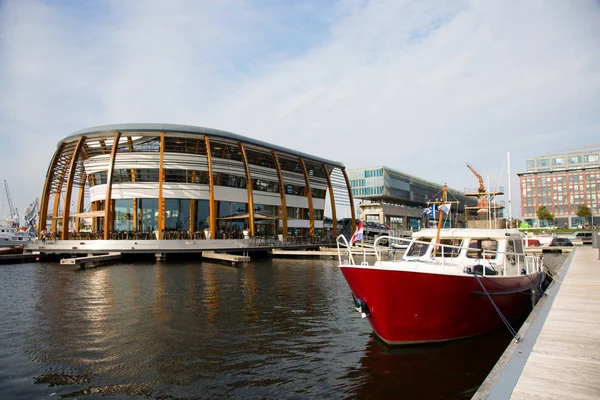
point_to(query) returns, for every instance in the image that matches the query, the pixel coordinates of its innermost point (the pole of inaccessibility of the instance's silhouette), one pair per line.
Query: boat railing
(529, 263)
(522, 261)
(346, 252)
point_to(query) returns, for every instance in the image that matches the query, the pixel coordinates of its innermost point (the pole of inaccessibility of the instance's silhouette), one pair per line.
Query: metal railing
(521, 261)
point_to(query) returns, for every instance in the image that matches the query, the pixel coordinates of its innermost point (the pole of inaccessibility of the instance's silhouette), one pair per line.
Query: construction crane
(481, 187)
(14, 213)
(481, 201)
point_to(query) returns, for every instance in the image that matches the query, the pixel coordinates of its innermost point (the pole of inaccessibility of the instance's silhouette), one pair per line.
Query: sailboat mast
(440, 220)
(509, 192)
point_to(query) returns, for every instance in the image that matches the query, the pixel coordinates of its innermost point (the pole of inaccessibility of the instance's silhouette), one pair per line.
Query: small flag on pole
(429, 211)
(358, 235)
(445, 208)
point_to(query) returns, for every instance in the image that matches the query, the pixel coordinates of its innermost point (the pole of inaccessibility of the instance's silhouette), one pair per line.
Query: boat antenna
(440, 220)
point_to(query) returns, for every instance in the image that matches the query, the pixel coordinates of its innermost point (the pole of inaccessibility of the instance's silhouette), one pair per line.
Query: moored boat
(449, 284)
(11, 250)
(10, 237)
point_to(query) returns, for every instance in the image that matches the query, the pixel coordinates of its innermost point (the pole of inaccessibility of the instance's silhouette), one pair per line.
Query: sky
(421, 87)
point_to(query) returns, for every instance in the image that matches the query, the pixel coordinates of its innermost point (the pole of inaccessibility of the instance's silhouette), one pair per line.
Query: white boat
(542, 239)
(11, 237)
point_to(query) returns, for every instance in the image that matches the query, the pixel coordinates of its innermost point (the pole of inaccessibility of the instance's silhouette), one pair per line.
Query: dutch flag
(358, 235)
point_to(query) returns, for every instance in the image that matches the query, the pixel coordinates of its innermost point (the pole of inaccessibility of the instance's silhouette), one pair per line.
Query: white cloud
(422, 87)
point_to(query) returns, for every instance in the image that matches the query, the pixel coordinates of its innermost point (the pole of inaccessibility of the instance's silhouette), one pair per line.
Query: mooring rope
(512, 331)
(551, 275)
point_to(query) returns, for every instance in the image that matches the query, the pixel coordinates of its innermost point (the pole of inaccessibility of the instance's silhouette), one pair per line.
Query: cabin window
(418, 249)
(510, 253)
(519, 251)
(478, 246)
(443, 251)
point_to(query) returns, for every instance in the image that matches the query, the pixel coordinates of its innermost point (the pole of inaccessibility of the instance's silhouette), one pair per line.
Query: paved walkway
(559, 357)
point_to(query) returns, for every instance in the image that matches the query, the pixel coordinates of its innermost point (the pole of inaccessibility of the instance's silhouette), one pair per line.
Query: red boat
(449, 284)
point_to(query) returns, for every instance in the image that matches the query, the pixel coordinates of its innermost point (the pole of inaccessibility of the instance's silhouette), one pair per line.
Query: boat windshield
(478, 246)
(418, 249)
(443, 251)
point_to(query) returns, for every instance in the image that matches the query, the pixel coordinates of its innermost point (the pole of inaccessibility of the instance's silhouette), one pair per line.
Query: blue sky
(422, 87)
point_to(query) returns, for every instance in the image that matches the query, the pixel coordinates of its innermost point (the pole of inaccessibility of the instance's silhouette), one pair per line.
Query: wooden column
(84, 179)
(211, 189)
(107, 202)
(350, 198)
(249, 188)
(80, 205)
(93, 204)
(330, 186)
(193, 201)
(133, 200)
(69, 188)
(103, 146)
(284, 219)
(61, 181)
(161, 178)
(43, 219)
(311, 211)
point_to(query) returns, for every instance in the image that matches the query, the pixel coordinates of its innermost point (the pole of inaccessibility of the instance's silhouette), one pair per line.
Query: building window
(543, 163)
(530, 163)
(574, 159)
(558, 161)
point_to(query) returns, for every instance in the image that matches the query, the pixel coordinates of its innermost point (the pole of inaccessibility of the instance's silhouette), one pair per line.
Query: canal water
(270, 329)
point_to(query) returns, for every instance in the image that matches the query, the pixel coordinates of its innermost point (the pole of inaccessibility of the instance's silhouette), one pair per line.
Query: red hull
(411, 307)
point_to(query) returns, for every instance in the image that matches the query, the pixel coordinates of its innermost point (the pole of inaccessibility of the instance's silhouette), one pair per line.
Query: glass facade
(162, 182)
(396, 199)
(564, 162)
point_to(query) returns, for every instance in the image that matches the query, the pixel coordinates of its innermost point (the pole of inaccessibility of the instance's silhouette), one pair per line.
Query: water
(186, 330)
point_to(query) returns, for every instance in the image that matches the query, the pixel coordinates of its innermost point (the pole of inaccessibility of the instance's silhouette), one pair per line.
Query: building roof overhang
(195, 130)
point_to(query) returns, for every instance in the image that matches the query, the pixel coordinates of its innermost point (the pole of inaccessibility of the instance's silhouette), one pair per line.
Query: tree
(584, 212)
(544, 215)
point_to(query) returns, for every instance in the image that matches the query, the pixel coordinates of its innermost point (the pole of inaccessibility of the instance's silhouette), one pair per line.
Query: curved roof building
(164, 181)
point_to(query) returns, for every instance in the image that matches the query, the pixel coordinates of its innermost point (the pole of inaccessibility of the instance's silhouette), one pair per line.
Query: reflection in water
(268, 329)
(249, 289)
(445, 370)
(211, 293)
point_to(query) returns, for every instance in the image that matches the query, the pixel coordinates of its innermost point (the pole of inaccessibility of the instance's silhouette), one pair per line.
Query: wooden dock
(550, 249)
(91, 260)
(304, 253)
(225, 257)
(559, 355)
(18, 258)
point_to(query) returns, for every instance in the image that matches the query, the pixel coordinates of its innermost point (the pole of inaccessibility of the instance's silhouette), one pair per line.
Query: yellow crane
(481, 202)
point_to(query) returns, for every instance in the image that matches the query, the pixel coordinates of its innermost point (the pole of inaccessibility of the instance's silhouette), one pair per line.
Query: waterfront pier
(559, 354)
(234, 250)
(92, 260)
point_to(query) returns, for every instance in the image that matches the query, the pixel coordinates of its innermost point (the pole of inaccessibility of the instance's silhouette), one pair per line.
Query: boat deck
(559, 356)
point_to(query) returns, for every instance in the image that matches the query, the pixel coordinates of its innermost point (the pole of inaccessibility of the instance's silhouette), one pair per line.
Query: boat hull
(12, 250)
(407, 307)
